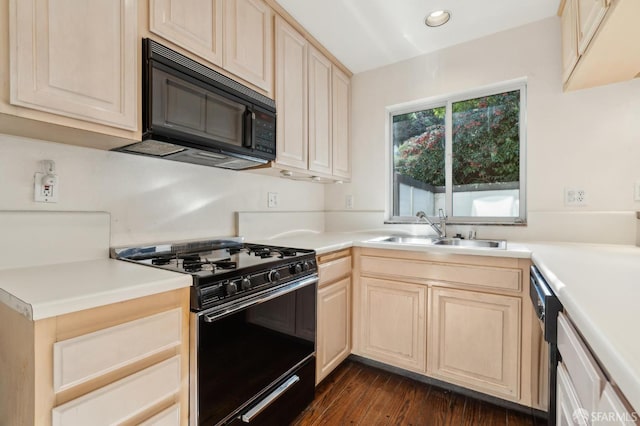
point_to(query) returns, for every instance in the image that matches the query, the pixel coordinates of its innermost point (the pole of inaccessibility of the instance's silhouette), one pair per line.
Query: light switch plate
(636, 191)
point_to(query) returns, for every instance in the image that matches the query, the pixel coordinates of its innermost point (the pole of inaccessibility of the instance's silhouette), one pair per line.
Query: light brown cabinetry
(334, 312)
(195, 25)
(475, 340)
(291, 96)
(320, 117)
(462, 319)
(248, 41)
(312, 98)
(73, 64)
(340, 119)
(595, 42)
(126, 362)
(236, 35)
(394, 323)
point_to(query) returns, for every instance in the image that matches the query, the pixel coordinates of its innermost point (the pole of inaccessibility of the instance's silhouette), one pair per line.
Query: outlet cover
(575, 197)
(348, 202)
(272, 200)
(44, 193)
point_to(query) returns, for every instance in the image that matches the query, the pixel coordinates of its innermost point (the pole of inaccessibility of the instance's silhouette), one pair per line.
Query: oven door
(254, 361)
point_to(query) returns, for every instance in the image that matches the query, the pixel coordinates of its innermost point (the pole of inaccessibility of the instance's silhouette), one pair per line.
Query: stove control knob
(297, 268)
(306, 266)
(231, 288)
(246, 283)
(273, 276)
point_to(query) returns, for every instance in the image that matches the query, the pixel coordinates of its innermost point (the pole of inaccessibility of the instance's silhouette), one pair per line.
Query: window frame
(447, 101)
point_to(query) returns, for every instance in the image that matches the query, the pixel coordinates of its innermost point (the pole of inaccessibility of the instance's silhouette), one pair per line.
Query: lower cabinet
(461, 319)
(333, 311)
(394, 323)
(125, 363)
(475, 340)
(334, 326)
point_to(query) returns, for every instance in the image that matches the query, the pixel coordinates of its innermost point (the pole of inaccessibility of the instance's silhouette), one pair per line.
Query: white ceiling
(367, 34)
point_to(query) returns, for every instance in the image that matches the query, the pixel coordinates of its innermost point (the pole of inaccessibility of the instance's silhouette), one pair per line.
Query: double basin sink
(447, 242)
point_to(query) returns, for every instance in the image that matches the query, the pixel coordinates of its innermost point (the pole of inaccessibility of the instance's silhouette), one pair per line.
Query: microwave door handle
(249, 129)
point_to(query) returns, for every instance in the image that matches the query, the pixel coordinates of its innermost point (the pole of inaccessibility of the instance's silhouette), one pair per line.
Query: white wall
(149, 200)
(589, 139)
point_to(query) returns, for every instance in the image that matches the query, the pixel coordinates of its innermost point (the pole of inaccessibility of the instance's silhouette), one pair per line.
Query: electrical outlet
(272, 200)
(44, 189)
(575, 197)
(348, 202)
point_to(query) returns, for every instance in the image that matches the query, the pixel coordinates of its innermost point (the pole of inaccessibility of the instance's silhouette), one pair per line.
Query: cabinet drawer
(485, 276)
(332, 271)
(124, 399)
(568, 404)
(89, 356)
(168, 417)
(587, 377)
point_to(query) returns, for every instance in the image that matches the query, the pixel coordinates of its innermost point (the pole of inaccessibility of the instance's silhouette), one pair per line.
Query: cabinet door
(394, 322)
(485, 325)
(291, 96)
(248, 41)
(569, 22)
(320, 135)
(590, 14)
(341, 99)
(76, 59)
(334, 326)
(195, 25)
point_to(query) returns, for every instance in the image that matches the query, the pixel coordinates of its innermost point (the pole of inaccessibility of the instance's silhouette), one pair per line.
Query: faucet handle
(442, 214)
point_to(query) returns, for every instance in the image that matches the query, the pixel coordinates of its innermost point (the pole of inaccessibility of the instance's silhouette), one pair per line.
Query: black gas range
(252, 327)
(225, 270)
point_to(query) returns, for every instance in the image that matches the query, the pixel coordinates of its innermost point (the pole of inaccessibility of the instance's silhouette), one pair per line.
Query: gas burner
(263, 252)
(165, 260)
(197, 264)
(288, 252)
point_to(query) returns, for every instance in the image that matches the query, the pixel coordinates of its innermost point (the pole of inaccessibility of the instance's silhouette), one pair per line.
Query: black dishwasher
(547, 306)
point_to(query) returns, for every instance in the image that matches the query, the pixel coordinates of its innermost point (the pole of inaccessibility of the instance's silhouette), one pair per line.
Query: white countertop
(40, 292)
(331, 241)
(599, 287)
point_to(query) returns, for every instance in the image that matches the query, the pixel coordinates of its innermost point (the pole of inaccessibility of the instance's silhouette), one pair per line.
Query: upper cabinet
(341, 87)
(236, 35)
(74, 59)
(71, 72)
(195, 25)
(313, 100)
(248, 41)
(597, 32)
(291, 96)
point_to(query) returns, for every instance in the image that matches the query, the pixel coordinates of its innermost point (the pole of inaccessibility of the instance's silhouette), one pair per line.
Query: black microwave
(193, 114)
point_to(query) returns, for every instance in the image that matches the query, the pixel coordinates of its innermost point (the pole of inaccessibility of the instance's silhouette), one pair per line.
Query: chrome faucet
(440, 228)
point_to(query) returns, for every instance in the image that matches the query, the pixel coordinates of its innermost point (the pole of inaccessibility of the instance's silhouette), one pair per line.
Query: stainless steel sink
(447, 242)
(457, 242)
(398, 239)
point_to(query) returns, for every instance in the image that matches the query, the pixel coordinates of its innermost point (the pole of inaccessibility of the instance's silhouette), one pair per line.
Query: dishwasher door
(547, 306)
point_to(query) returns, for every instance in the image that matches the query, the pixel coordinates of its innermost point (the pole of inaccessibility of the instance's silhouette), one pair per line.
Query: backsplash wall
(149, 199)
(587, 139)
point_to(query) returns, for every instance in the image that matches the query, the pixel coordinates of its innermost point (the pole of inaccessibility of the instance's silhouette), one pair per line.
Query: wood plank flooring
(357, 394)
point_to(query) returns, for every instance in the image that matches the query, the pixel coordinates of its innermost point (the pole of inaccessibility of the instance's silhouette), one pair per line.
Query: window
(463, 155)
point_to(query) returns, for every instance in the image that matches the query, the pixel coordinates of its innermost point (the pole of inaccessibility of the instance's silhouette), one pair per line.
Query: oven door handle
(211, 317)
(249, 415)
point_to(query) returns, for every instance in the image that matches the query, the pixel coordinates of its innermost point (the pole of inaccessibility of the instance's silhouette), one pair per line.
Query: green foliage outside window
(485, 136)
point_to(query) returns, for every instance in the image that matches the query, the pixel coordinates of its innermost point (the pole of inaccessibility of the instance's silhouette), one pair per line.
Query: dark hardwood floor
(357, 394)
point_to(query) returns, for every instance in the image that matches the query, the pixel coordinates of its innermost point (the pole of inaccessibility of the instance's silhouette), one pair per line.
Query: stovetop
(224, 269)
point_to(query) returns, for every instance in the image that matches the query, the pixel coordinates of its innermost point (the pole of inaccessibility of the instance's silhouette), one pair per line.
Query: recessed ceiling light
(437, 18)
